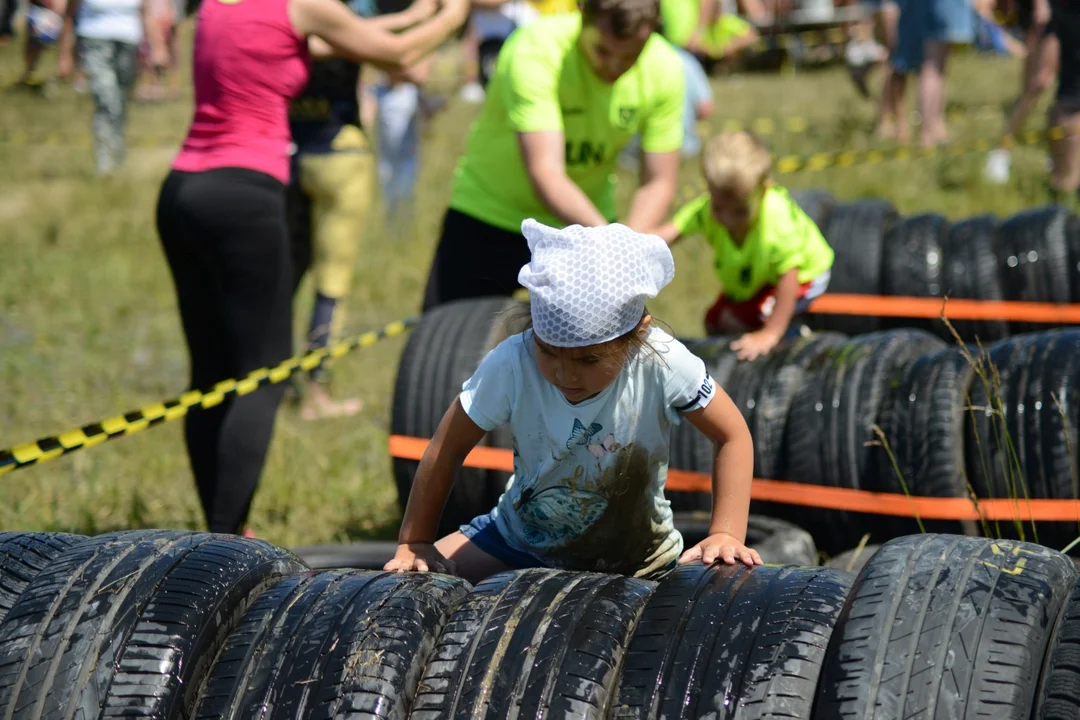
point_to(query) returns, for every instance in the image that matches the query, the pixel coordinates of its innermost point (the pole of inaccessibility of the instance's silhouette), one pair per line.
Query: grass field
(89, 327)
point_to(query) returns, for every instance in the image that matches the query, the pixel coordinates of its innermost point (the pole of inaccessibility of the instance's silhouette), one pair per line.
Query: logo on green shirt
(627, 115)
(584, 153)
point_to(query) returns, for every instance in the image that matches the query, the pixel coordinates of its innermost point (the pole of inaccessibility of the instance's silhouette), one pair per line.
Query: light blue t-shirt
(697, 90)
(588, 486)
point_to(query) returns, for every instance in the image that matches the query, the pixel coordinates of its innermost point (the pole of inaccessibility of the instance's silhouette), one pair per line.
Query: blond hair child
(769, 255)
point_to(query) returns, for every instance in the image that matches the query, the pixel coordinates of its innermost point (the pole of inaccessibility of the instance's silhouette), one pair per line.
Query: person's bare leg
(472, 563)
(1065, 154)
(888, 19)
(932, 93)
(1040, 69)
(32, 52)
(894, 125)
(1040, 72)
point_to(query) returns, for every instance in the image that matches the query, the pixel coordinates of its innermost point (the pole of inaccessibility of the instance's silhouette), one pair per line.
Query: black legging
(226, 242)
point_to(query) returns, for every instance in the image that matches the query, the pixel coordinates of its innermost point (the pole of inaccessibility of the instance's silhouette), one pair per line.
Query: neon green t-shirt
(782, 238)
(680, 19)
(543, 82)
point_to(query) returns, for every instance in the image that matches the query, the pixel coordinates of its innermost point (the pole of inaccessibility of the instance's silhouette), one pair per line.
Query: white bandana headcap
(587, 285)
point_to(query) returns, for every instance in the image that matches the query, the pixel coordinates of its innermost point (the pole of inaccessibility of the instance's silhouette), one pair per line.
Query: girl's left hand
(721, 546)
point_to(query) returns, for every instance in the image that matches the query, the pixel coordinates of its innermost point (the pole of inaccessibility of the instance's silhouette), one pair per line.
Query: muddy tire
(126, 624)
(730, 641)
(25, 554)
(944, 624)
(331, 644)
(912, 263)
(533, 642)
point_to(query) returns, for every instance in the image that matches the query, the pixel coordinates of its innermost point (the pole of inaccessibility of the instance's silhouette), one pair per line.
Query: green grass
(89, 327)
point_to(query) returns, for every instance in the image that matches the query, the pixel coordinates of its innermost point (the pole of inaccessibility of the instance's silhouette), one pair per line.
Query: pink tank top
(249, 63)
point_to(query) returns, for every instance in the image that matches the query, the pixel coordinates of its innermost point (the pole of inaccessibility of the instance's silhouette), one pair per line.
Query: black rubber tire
(331, 644)
(25, 554)
(690, 449)
(1072, 240)
(126, 624)
(923, 419)
(832, 420)
(990, 469)
(1045, 414)
(778, 542)
(911, 265)
(1026, 447)
(764, 389)
(973, 272)
(533, 643)
(733, 642)
(853, 560)
(944, 625)
(856, 232)
(358, 555)
(443, 351)
(1058, 697)
(815, 203)
(1034, 259)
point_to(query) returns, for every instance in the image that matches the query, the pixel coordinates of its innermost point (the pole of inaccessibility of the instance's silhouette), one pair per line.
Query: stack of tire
(1033, 256)
(903, 412)
(180, 625)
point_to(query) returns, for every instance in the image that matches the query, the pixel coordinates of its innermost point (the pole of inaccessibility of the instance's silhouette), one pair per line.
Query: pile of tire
(898, 411)
(903, 412)
(182, 625)
(1033, 256)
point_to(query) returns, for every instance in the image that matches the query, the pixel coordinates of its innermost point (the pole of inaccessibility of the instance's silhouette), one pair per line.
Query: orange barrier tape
(958, 309)
(792, 493)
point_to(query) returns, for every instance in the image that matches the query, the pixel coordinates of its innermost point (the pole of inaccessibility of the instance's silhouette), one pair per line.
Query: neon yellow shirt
(680, 19)
(544, 83)
(782, 238)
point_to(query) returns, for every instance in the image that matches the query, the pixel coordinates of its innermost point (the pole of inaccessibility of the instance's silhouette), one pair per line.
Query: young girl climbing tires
(590, 390)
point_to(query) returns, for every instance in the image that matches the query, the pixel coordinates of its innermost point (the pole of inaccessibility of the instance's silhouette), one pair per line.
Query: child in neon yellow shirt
(769, 255)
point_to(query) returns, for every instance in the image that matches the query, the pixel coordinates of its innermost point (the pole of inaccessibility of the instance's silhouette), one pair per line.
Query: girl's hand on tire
(721, 546)
(420, 557)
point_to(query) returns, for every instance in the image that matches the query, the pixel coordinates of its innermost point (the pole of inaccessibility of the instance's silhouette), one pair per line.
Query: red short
(753, 313)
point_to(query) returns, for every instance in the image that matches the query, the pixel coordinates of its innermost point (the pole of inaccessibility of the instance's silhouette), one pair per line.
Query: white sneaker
(473, 93)
(997, 166)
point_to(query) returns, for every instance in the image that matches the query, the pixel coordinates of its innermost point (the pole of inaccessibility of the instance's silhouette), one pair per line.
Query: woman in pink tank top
(221, 212)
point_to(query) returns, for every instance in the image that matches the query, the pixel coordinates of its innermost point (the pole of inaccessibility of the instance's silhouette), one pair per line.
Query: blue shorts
(484, 534)
(923, 21)
(990, 37)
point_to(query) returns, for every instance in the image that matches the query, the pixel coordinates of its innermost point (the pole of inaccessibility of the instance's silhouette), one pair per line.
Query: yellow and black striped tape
(39, 451)
(797, 125)
(816, 162)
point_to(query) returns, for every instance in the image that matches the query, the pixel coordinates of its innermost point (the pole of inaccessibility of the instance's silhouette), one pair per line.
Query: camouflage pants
(110, 72)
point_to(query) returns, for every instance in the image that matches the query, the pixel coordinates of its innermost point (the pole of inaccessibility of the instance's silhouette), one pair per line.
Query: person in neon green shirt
(702, 28)
(769, 255)
(568, 93)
